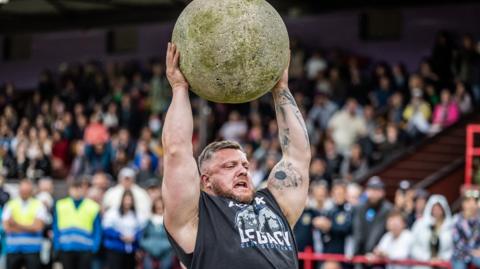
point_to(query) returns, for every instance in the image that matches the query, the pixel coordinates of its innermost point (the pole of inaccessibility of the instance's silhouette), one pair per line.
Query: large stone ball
(231, 51)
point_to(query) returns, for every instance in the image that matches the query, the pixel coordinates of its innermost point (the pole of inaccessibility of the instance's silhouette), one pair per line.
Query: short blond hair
(211, 148)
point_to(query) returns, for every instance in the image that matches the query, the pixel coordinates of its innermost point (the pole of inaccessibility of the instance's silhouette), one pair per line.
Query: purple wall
(337, 29)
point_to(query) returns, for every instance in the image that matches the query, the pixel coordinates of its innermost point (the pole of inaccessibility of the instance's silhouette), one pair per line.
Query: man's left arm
(289, 179)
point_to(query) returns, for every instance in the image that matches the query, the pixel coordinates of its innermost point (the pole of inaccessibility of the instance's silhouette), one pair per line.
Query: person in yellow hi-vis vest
(23, 219)
(76, 228)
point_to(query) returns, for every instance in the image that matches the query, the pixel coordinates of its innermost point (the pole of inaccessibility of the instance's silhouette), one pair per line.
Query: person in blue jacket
(122, 229)
(76, 228)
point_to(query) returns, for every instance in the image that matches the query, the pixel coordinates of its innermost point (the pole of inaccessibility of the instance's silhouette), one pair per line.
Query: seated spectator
(322, 111)
(80, 165)
(446, 113)
(463, 98)
(315, 64)
(126, 181)
(395, 108)
(318, 170)
(355, 165)
(122, 228)
(99, 157)
(466, 232)
(347, 126)
(333, 158)
(417, 114)
(235, 128)
(397, 242)
(433, 232)
(154, 241)
(382, 94)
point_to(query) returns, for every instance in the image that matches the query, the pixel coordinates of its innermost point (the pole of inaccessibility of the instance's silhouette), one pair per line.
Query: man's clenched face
(227, 174)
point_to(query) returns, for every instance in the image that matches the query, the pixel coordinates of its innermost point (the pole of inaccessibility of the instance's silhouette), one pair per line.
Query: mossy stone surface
(232, 51)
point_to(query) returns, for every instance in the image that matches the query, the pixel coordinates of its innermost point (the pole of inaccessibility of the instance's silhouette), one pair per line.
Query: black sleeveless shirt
(237, 236)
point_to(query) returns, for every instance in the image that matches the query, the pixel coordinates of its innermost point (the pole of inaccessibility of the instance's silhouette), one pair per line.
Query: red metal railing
(309, 257)
(471, 152)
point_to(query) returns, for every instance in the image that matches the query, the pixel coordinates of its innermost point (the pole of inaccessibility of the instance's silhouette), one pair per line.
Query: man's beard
(230, 195)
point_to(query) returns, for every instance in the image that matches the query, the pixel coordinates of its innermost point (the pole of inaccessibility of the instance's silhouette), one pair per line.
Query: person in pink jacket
(446, 112)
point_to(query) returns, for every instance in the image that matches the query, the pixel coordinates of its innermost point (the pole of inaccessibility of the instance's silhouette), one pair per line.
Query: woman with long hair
(122, 230)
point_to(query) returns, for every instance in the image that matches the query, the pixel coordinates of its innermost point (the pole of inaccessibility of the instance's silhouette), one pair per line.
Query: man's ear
(206, 182)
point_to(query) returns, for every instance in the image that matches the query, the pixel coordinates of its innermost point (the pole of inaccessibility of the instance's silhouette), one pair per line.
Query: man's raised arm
(289, 179)
(181, 183)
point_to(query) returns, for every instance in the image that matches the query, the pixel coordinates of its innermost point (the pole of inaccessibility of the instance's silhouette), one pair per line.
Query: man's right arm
(181, 184)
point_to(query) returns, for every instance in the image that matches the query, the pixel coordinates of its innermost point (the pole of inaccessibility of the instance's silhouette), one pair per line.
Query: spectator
(76, 228)
(382, 94)
(417, 114)
(353, 194)
(315, 64)
(370, 218)
(322, 111)
(99, 157)
(465, 59)
(4, 195)
(463, 98)
(446, 113)
(346, 126)
(466, 232)
(404, 198)
(122, 228)
(397, 242)
(80, 165)
(126, 181)
(355, 165)
(154, 241)
(337, 225)
(235, 128)
(23, 220)
(333, 158)
(395, 108)
(318, 170)
(420, 201)
(433, 232)
(160, 92)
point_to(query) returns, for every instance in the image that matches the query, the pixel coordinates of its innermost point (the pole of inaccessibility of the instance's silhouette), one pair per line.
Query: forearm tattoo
(285, 176)
(284, 101)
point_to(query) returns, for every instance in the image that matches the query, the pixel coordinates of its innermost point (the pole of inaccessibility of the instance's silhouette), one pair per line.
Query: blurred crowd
(98, 125)
(347, 219)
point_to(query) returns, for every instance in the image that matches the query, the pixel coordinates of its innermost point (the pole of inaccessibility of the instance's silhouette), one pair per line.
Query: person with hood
(433, 232)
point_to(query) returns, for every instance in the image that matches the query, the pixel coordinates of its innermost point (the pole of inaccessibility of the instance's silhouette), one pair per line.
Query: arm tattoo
(285, 176)
(285, 99)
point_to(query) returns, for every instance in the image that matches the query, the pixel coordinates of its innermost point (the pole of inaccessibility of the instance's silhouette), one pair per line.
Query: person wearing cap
(404, 198)
(126, 181)
(370, 218)
(76, 228)
(466, 232)
(23, 220)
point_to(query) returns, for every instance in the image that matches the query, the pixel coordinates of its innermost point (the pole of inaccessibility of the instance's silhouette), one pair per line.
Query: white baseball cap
(126, 172)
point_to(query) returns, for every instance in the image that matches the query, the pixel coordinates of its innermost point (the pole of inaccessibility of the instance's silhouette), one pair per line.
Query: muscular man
(213, 215)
